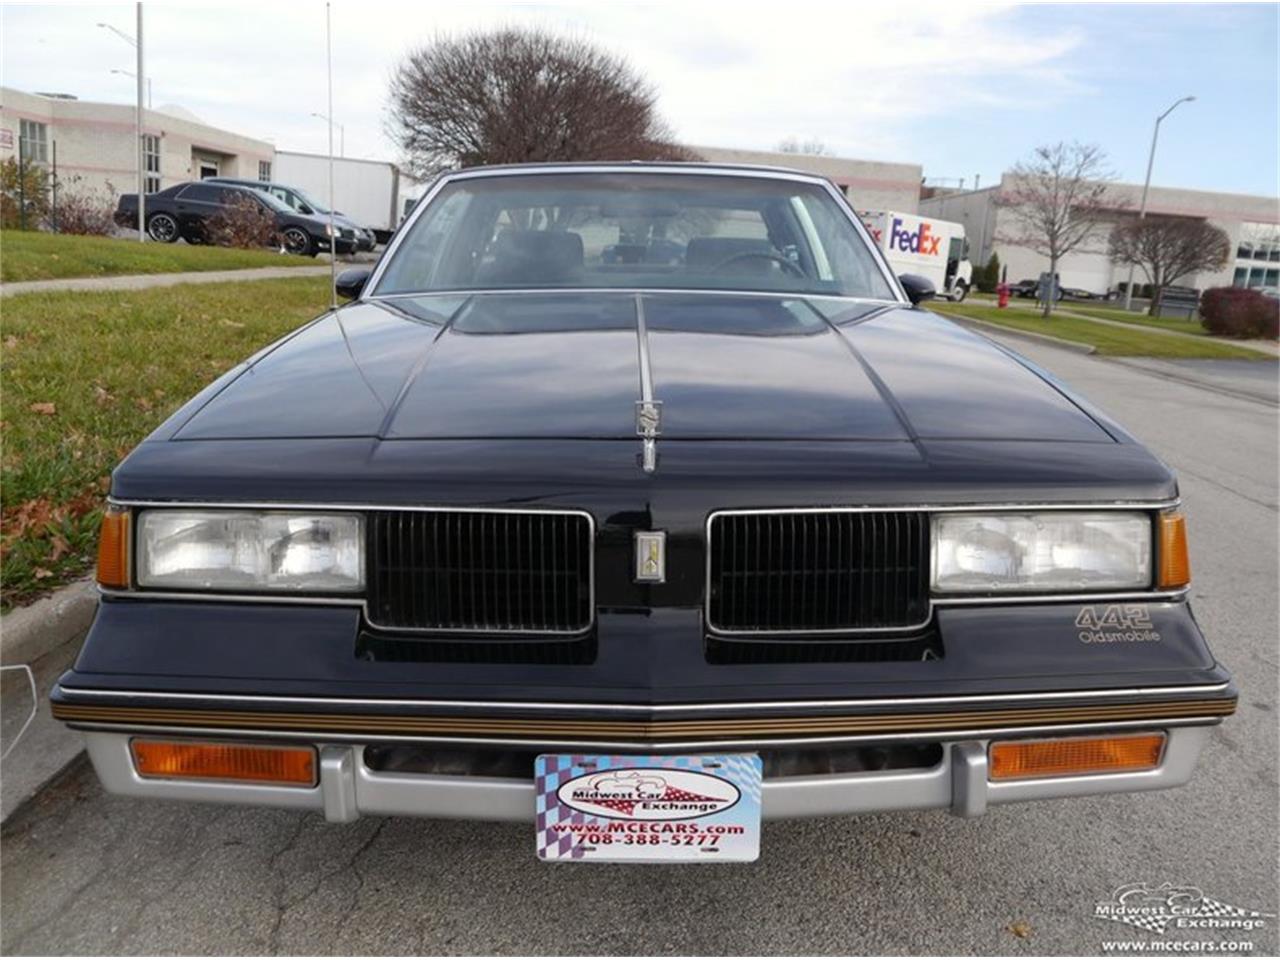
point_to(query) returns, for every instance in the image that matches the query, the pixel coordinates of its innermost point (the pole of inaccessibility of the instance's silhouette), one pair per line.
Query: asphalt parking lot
(88, 873)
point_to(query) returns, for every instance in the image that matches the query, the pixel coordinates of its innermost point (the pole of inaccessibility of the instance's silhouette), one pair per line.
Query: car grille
(477, 571)
(818, 571)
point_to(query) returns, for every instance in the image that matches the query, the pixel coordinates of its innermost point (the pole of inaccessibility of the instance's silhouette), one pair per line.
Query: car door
(195, 204)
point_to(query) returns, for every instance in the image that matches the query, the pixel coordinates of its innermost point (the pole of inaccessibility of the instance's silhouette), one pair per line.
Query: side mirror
(351, 282)
(918, 288)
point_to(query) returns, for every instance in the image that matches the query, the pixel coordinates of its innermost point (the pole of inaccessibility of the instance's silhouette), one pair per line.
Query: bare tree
(1058, 198)
(518, 95)
(813, 147)
(1168, 249)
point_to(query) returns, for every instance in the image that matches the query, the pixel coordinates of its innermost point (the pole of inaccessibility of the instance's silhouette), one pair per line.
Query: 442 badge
(654, 808)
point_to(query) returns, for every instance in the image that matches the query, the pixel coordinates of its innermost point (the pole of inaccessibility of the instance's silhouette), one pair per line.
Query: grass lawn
(32, 255)
(1109, 340)
(88, 375)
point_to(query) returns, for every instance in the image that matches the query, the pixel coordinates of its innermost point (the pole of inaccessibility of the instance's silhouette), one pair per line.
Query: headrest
(535, 256)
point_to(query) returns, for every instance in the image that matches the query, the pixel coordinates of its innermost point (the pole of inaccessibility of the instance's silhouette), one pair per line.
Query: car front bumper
(348, 788)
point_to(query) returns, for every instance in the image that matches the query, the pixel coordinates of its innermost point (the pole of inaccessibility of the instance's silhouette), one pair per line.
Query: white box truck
(374, 193)
(932, 248)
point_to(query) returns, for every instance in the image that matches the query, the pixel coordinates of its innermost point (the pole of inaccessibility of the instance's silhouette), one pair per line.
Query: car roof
(640, 166)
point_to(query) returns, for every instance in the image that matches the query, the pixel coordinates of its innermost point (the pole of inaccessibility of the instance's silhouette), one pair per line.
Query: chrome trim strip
(648, 745)
(932, 600)
(360, 601)
(1020, 598)
(708, 170)
(648, 409)
(1120, 693)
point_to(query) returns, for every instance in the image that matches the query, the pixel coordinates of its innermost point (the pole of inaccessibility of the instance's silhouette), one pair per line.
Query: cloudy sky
(964, 89)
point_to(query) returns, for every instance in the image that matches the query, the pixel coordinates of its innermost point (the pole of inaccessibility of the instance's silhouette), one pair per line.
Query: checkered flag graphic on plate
(551, 816)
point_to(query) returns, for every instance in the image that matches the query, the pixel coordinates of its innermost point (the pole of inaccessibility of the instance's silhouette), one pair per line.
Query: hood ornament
(648, 410)
(649, 426)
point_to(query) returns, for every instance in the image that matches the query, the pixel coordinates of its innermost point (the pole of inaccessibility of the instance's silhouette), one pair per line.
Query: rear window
(635, 231)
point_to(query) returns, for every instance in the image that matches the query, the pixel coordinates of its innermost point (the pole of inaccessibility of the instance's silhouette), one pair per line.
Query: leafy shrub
(1236, 312)
(83, 212)
(32, 193)
(242, 223)
(987, 278)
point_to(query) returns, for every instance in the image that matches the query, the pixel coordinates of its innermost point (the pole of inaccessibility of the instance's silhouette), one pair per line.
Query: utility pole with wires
(333, 234)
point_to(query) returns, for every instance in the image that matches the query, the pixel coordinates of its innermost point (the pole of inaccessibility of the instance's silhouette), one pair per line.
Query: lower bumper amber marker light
(239, 762)
(1074, 756)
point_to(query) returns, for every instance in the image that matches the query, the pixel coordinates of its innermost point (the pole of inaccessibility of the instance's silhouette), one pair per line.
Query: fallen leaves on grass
(46, 409)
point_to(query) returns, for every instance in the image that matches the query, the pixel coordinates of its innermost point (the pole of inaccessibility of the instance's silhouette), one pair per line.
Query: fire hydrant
(1002, 295)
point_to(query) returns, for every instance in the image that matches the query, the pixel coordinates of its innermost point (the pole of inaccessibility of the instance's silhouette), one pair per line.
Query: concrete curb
(45, 636)
(28, 633)
(1084, 348)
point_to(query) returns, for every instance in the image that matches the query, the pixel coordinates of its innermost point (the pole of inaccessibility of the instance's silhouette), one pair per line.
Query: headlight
(1058, 552)
(250, 551)
(328, 230)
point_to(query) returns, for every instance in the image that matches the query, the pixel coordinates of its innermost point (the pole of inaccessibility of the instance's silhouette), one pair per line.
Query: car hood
(568, 365)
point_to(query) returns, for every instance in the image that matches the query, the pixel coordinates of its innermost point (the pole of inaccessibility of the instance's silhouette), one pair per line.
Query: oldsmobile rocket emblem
(651, 556)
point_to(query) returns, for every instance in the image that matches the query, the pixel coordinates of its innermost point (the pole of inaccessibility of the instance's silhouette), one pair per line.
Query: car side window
(202, 193)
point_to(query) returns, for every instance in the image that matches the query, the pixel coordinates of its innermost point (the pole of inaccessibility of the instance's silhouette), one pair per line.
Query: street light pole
(142, 158)
(140, 153)
(1146, 187)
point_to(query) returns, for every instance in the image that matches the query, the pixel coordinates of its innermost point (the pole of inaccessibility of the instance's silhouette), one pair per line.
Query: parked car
(298, 200)
(1024, 288)
(627, 547)
(1080, 293)
(184, 210)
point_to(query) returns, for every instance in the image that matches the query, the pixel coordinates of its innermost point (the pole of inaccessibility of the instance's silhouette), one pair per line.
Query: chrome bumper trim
(348, 789)
(749, 706)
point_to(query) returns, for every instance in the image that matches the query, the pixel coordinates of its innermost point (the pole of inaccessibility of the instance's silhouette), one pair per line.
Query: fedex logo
(918, 241)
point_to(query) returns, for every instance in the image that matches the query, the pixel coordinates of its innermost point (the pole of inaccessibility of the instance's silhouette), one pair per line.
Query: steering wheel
(787, 266)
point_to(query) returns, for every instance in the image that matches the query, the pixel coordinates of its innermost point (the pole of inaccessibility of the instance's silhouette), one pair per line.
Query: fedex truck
(932, 248)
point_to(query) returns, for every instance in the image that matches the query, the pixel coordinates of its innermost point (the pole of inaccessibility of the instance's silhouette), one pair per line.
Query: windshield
(310, 201)
(635, 230)
(274, 202)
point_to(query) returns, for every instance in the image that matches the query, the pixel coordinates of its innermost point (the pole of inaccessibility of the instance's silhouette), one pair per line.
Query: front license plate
(597, 807)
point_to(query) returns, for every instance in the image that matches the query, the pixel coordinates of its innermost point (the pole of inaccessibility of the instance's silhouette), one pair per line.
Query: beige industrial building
(869, 184)
(95, 143)
(95, 151)
(1252, 223)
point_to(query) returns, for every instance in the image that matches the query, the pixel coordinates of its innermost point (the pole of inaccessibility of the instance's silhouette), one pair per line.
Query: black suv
(307, 205)
(182, 211)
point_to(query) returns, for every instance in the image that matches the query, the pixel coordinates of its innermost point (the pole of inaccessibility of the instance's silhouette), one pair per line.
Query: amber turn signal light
(241, 762)
(1175, 565)
(113, 549)
(1074, 756)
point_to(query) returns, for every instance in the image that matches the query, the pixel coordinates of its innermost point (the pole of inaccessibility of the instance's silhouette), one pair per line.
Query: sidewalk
(144, 281)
